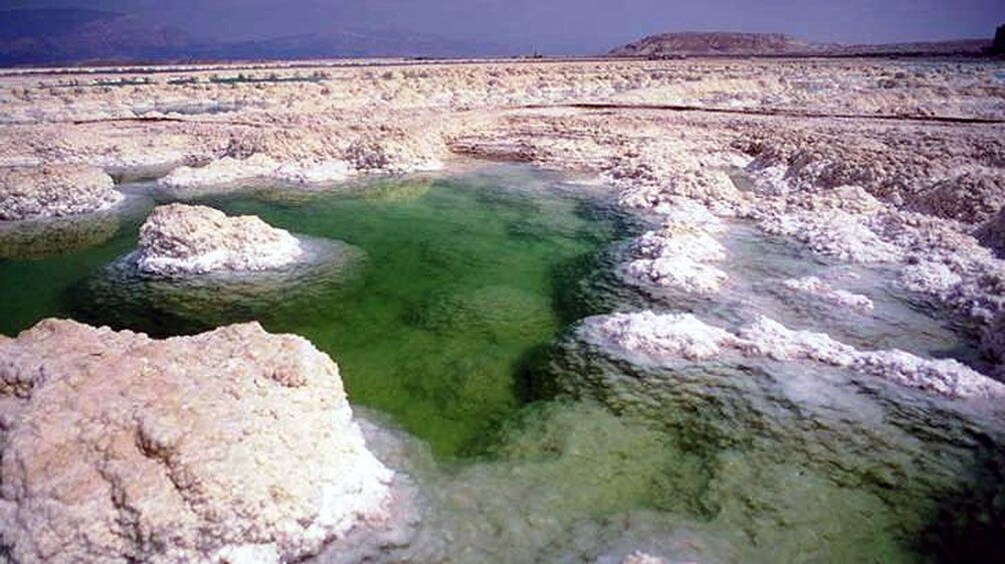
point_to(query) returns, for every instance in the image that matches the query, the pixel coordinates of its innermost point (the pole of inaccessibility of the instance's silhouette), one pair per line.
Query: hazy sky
(567, 26)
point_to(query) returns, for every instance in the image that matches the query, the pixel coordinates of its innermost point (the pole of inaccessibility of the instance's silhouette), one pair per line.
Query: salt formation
(229, 172)
(660, 338)
(184, 239)
(813, 286)
(54, 191)
(835, 233)
(233, 445)
(639, 557)
(929, 277)
(678, 256)
(992, 234)
(263, 159)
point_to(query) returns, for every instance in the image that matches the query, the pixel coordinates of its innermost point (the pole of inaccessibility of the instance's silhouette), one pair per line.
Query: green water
(437, 324)
(448, 314)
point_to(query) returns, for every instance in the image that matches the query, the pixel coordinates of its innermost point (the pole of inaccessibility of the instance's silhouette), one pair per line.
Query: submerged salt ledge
(669, 337)
(813, 286)
(184, 239)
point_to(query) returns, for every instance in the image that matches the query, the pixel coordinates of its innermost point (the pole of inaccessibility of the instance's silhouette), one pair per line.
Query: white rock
(54, 191)
(231, 445)
(183, 239)
(814, 286)
(657, 336)
(672, 337)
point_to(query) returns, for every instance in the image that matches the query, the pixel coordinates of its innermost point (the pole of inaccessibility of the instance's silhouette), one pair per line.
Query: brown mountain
(710, 43)
(776, 44)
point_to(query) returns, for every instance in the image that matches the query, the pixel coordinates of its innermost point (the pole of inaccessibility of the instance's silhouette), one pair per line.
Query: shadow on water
(968, 526)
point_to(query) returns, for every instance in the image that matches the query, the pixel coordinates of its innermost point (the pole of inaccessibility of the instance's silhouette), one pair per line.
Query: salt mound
(54, 191)
(676, 256)
(232, 445)
(833, 232)
(183, 239)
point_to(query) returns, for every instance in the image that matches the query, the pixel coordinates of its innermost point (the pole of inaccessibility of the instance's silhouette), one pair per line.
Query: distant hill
(353, 42)
(693, 43)
(69, 36)
(706, 43)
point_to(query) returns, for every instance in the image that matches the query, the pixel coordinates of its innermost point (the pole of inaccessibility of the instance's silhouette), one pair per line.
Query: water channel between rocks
(451, 311)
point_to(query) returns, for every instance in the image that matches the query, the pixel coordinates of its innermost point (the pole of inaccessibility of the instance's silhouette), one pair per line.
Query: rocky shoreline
(232, 445)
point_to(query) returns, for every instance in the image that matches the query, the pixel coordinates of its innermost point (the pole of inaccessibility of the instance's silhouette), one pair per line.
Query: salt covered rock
(54, 191)
(232, 445)
(929, 277)
(678, 257)
(657, 336)
(684, 211)
(672, 337)
(813, 286)
(677, 273)
(225, 172)
(258, 169)
(835, 233)
(184, 239)
(773, 340)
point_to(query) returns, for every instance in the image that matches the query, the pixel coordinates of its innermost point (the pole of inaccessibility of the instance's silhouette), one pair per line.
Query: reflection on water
(120, 295)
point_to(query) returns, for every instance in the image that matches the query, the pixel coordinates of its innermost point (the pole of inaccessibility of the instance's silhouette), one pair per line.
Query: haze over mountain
(772, 44)
(54, 36)
(55, 31)
(558, 27)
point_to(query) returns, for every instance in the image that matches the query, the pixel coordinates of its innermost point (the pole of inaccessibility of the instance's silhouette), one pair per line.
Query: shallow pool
(452, 320)
(459, 282)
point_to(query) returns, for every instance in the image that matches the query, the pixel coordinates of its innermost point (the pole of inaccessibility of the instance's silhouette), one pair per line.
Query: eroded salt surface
(671, 337)
(183, 239)
(816, 287)
(681, 255)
